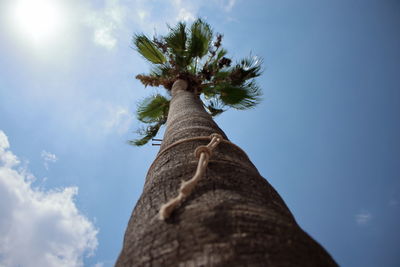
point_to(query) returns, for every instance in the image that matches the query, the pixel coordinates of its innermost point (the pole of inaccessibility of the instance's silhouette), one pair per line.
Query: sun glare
(40, 20)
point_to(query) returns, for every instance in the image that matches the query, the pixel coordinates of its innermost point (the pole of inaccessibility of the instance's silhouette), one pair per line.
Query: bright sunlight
(39, 20)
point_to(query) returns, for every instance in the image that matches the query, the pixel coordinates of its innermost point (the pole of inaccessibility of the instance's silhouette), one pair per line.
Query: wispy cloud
(117, 119)
(106, 22)
(186, 10)
(48, 158)
(38, 227)
(363, 217)
(7, 158)
(149, 14)
(189, 10)
(228, 5)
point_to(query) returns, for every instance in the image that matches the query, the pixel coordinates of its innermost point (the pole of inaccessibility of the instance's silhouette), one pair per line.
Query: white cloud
(101, 119)
(363, 217)
(7, 158)
(38, 227)
(4, 144)
(152, 15)
(117, 119)
(106, 22)
(186, 10)
(48, 158)
(228, 5)
(143, 14)
(185, 15)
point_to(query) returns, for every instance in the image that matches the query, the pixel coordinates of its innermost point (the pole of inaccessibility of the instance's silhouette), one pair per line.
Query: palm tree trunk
(233, 217)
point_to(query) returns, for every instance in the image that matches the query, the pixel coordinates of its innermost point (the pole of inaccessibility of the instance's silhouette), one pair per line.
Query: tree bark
(234, 217)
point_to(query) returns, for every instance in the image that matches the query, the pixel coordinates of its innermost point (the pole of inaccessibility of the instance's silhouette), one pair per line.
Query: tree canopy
(195, 54)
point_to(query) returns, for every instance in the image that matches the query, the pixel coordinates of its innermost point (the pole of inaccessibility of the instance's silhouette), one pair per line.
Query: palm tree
(233, 216)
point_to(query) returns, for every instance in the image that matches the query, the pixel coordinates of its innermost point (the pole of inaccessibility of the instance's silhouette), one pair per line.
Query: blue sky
(326, 135)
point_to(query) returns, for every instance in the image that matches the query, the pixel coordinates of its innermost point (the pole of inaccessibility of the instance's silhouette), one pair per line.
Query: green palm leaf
(148, 49)
(176, 39)
(246, 69)
(153, 109)
(221, 53)
(147, 133)
(240, 97)
(161, 71)
(200, 39)
(221, 75)
(214, 107)
(208, 92)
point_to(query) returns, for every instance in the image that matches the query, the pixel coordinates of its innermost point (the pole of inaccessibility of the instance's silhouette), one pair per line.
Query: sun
(40, 20)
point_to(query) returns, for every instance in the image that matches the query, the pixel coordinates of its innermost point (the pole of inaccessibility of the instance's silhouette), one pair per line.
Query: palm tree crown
(194, 54)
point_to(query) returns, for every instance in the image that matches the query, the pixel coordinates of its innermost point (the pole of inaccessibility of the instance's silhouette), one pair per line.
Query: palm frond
(148, 49)
(240, 97)
(214, 107)
(247, 68)
(222, 52)
(161, 70)
(147, 133)
(209, 91)
(176, 39)
(221, 75)
(200, 39)
(153, 109)
(252, 65)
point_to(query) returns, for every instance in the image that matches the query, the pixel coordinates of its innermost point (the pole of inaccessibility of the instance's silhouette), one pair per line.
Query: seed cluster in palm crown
(194, 54)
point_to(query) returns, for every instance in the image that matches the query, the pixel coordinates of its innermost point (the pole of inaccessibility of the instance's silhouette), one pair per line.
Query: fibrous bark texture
(234, 217)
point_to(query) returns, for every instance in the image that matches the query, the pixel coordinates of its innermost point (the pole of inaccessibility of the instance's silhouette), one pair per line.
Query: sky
(326, 135)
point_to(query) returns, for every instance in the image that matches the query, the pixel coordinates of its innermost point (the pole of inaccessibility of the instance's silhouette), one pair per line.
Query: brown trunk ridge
(234, 217)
